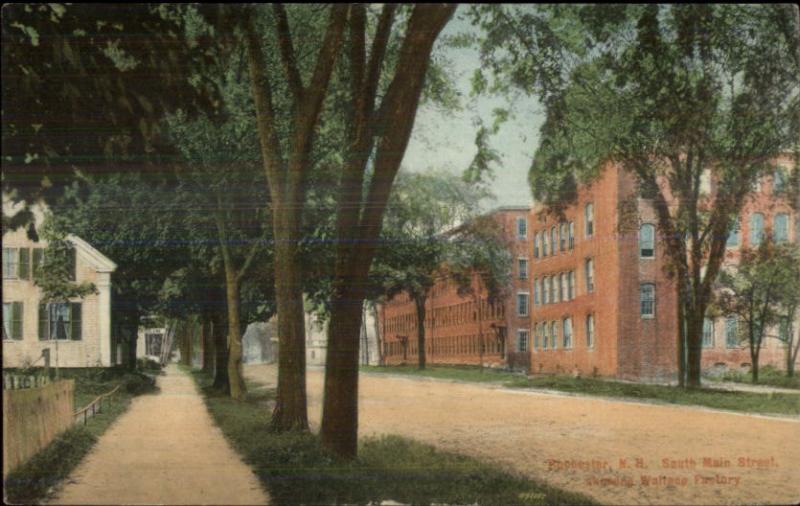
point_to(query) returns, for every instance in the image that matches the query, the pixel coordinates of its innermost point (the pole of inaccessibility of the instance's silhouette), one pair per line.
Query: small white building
(317, 340)
(77, 333)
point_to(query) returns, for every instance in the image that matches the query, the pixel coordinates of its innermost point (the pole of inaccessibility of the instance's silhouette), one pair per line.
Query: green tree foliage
(762, 292)
(55, 275)
(666, 92)
(87, 84)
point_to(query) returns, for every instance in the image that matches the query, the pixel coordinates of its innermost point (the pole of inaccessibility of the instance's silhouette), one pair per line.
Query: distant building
(77, 333)
(317, 340)
(260, 343)
(590, 294)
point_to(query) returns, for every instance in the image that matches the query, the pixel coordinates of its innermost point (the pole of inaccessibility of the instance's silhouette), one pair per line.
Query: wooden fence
(32, 417)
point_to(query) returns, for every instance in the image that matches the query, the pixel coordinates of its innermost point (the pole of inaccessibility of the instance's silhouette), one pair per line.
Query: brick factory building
(590, 293)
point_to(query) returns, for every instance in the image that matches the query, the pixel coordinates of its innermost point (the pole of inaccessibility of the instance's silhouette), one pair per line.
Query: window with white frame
(733, 234)
(756, 229)
(566, 332)
(708, 333)
(522, 268)
(522, 340)
(60, 321)
(12, 320)
(545, 334)
(536, 245)
(522, 304)
(535, 291)
(731, 332)
(647, 240)
(544, 243)
(571, 235)
(554, 289)
(588, 216)
(562, 236)
(589, 272)
(522, 228)
(778, 180)
(553, 240)
(564, 287)
(571, 285)
(647, 297)
(546, 290)
(589, 330)
(10, 263)
(553, 334)
(780, 228)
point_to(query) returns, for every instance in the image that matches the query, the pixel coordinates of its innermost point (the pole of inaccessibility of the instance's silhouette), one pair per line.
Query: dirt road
(165, 449)
(617, 452)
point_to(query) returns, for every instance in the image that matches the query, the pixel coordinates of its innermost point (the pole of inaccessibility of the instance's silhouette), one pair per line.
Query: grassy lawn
(31, 482)
(294, 469)
(787, 404)
(767, 375)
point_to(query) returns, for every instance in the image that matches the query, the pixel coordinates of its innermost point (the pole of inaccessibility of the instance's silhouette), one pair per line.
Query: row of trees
(304, 113)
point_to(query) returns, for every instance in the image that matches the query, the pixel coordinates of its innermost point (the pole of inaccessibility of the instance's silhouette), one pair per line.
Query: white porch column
(104, 317)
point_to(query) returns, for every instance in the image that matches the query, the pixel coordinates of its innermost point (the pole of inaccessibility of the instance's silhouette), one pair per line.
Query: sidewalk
(165, 449)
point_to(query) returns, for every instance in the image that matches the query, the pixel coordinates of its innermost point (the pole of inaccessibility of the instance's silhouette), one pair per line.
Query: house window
(522, 340)
(589, 270)
(780, 228)
(647, 239)
(11, 263)
(522, 304)
(733, 234)
(60, 321)
(562, 236)
(564, 287)
(553, 335)
(553, 244)
(522, 228)
(536, 291)
(756, 229)
(731, 332)
(571, 235)
(589, 331)
(553, 289)
(544, 243)
(708, 333)
(545, 334)
(522, 268)
(536, 245)
(571, 285)
(588, 214)
(12, 320)
(647, 297)
(567, 332)
(546, 290)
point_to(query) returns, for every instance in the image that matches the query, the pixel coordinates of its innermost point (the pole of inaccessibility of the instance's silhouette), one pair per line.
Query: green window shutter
(16, 321)
(24, 263)
(37, 260)
(73, 264)
(43, 326)
(75, 319)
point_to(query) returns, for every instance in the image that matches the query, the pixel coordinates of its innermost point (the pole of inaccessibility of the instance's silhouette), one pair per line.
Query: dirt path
(560, 438)
(165, 449)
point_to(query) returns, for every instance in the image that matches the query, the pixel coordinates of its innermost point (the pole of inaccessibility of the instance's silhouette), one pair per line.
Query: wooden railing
(96, 406)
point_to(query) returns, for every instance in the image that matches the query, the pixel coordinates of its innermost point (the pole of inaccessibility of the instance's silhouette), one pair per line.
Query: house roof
(99, 261)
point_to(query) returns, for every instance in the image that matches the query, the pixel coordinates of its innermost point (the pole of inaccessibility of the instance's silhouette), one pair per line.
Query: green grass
(294, 469)
(778, 403)
(767, 375)
(31, 482)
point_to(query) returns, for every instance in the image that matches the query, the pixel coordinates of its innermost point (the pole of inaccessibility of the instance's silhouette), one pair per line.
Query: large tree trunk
(694, 344)
(359, 217)
(340, 422)
(220, 353)
(681, 348)
(419, 301)
(208, 343)
(235, 378)
(290, 411)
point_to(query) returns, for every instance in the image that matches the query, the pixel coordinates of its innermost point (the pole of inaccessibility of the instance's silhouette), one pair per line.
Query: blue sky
(445, 140)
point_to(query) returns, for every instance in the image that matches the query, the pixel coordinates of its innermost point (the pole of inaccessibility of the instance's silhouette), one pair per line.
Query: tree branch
(288, 55)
